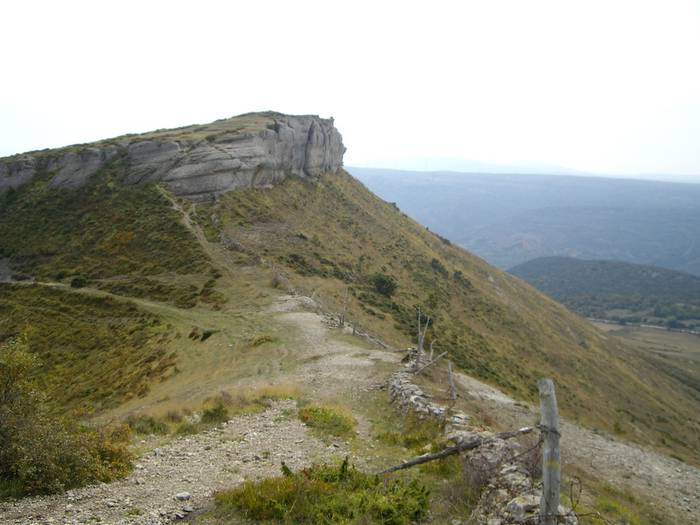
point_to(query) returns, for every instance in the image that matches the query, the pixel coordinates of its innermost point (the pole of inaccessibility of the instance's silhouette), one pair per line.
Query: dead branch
(466, 445)
(430, 363)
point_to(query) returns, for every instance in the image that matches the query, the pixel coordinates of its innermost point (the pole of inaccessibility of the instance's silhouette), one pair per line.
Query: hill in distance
(174, 249)
(509, 219)
(617, 291)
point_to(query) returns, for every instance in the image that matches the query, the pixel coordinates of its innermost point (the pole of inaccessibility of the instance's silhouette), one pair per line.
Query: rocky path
(171, 481)
(252, 446)
(180, 477)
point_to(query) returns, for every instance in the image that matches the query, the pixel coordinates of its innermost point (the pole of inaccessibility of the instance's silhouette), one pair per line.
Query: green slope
(333, 235)
(95, 352)
(617, 291)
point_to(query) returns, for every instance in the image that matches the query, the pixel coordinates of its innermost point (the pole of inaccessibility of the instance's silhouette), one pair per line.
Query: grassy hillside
(94, 352)
(124, 239)
(617, 291)
(332, 237)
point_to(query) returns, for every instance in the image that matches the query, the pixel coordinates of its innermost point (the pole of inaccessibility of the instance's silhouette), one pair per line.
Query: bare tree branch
(430, 363)
(466, 445)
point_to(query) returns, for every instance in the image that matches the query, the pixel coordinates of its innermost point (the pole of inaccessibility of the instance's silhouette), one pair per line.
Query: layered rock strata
(196, 164)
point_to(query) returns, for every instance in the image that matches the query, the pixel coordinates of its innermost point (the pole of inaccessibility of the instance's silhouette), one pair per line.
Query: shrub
(330, 494)
(78, 282)
(187, 428)
(216, 414)
(330, 420)
(143, 424)
(436, 265)
(41, 454)
(384, 284)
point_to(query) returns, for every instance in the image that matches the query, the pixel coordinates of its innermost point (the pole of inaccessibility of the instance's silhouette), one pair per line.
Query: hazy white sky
(609, 86)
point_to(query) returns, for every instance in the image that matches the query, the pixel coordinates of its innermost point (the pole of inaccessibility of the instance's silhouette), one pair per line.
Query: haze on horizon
(595, 87)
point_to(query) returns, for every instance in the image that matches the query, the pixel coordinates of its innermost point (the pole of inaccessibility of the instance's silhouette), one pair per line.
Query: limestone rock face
(202, 161)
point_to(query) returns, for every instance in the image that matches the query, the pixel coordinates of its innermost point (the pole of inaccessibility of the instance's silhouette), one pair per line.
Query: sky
(610, 87)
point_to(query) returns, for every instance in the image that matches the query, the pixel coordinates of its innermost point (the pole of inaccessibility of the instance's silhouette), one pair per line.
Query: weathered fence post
(453, 390)
(549, 426)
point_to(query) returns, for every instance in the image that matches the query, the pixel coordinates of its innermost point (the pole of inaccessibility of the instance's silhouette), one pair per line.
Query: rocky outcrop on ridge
(200, 163)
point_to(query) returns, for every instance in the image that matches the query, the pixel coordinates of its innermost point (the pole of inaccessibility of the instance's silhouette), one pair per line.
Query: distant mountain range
(511, 218)
(456, 165)
(617, 291)
(471, 166)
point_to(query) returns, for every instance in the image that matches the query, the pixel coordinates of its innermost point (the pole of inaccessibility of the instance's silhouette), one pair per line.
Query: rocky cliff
(197, 162)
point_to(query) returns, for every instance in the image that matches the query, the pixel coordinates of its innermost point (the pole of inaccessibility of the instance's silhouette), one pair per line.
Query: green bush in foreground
(328, 420)
(41, 454)
(327, 494)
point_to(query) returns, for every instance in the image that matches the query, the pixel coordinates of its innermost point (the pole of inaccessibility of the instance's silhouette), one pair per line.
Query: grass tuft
(330, 494)
(328, 420)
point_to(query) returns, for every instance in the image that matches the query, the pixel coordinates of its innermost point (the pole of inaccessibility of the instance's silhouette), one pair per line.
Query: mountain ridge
(199, 161)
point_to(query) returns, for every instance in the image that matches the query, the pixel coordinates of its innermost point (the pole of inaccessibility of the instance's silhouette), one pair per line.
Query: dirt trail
(331, 366)
(671, 485)
(247, 447)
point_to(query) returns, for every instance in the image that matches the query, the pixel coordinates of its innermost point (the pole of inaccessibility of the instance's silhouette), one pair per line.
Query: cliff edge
(197, 162)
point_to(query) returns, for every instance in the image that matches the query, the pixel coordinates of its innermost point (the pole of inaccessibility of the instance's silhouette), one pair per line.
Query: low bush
(327, 494)
(328, 420)
(143, 424)
(216, 414)
(384, 284)
(78, 282)
(187, 428)
(40, 453)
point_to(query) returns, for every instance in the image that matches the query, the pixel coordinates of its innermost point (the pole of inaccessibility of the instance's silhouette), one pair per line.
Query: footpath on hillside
(179, 478)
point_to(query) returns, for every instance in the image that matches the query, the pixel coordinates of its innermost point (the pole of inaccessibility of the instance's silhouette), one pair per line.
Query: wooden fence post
(453, 390)
(549, 426)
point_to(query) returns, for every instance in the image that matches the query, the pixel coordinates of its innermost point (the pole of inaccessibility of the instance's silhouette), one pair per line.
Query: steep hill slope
(617, 291)
(332, 235)
(207, 267)
(511, 218)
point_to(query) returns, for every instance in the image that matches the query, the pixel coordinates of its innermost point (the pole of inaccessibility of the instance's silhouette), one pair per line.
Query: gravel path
(252, 446)
(247, 447)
